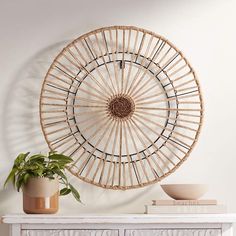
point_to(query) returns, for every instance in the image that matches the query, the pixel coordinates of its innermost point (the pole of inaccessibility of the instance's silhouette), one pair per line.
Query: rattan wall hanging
(124, 103)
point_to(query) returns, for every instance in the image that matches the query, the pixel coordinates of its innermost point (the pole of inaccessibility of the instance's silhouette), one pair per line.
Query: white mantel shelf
(121, 225)
(120, 219)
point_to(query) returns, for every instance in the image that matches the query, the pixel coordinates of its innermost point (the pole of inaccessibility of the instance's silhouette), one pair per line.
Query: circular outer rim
(200, 98)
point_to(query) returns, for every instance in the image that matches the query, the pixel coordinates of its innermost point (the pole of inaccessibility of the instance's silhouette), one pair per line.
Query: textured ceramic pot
(185, 191)
(40, 196)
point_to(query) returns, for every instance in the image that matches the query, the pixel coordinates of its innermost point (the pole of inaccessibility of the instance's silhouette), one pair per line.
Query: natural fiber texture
(124, 103)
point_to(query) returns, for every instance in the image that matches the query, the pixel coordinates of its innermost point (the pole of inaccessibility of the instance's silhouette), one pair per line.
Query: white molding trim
(122, 225)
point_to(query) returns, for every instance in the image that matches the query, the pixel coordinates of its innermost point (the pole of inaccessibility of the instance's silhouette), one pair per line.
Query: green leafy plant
(50, 166)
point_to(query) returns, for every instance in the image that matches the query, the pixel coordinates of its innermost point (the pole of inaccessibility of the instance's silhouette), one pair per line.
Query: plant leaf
(20, 158)
(37, 158)
(60, 158)
(25, 178)
(65, 191)
(11, 177)
(60, 173)
(52, 152)
(39, 172)
(19, 182)
(75, 193)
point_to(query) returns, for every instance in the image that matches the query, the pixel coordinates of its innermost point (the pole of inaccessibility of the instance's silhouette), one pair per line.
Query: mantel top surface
(118, 218)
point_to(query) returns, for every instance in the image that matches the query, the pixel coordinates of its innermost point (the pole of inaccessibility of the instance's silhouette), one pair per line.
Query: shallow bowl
(185, 191)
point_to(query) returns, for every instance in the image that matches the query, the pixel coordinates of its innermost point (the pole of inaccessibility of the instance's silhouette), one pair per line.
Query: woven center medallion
(121, 107)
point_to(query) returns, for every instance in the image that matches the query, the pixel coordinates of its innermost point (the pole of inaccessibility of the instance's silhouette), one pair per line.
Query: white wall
(33, 32)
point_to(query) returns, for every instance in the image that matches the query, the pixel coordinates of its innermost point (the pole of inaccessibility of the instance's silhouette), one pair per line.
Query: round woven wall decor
(124, 103)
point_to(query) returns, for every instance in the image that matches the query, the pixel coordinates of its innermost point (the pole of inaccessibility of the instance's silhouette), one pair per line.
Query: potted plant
(39, 177)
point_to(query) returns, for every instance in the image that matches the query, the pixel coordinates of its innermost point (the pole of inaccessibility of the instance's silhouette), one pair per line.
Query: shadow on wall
(21, 124)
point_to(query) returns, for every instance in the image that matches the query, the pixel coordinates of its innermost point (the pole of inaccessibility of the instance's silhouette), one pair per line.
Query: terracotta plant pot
(40, 196)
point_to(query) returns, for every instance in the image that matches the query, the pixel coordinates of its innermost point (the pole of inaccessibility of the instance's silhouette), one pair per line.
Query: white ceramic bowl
(185, 191)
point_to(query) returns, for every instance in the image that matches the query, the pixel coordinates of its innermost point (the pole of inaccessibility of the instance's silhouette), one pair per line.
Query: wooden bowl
(185, 191)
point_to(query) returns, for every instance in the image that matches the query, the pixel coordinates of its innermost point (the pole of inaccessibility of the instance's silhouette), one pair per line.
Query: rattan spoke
(157, 151)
